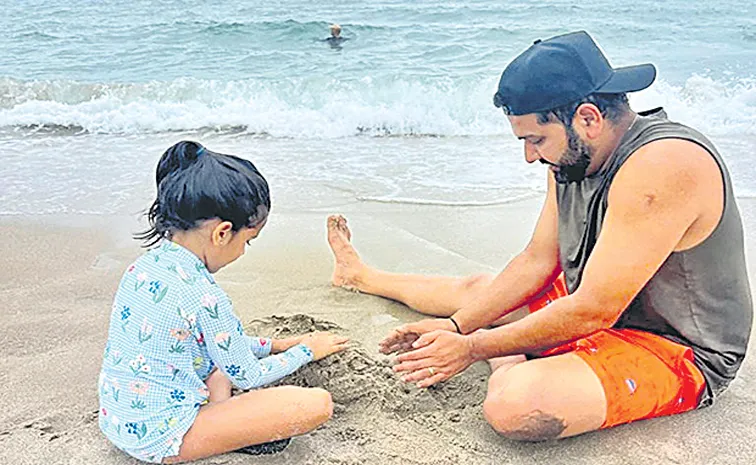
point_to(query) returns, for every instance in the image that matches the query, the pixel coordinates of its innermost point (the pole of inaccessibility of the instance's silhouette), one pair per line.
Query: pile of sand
(373, 406)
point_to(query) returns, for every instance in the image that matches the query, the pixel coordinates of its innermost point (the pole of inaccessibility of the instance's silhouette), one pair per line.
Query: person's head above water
(567, 103)
(335, 30)
(211, 203)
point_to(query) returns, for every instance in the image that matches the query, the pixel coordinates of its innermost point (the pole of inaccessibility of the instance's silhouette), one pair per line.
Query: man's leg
(431, 295)
(611, 377)
(545, 399)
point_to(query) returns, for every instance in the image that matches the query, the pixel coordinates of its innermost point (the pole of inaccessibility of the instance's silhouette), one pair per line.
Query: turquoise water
(92, 91)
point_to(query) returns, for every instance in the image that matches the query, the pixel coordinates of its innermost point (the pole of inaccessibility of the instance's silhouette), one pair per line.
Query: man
(634, 282)
(335, 40)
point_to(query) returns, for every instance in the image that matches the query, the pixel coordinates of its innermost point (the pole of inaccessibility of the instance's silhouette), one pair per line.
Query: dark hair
(611, 106)
(195, 184)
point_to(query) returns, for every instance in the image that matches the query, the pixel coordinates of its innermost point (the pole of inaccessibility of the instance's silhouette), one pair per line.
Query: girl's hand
(324, 344)
(282, 345)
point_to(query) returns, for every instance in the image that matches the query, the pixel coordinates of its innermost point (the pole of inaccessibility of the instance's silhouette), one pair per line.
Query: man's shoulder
(667, 177)
(668, 159)
(659, 168)
(671, 146)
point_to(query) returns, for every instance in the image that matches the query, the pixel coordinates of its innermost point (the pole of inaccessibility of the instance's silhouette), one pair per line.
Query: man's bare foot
(505, 362)
(348, 264)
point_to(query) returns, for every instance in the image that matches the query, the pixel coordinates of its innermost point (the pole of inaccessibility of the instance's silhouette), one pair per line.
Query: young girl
(175, 346)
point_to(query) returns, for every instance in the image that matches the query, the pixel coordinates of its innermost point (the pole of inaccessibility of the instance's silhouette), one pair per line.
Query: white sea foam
(74, 147)
(327, 108)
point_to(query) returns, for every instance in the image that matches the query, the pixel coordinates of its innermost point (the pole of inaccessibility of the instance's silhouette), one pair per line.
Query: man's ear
(222, 233)
(588, 121)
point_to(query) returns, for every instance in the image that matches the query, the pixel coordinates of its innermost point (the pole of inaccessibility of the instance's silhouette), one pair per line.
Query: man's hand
(436, 356)
(401, 339)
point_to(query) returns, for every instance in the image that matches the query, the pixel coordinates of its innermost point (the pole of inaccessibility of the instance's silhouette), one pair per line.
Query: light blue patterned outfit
(171, 324)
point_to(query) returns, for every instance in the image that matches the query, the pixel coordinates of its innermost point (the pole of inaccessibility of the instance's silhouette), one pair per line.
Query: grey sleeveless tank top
(699, 297)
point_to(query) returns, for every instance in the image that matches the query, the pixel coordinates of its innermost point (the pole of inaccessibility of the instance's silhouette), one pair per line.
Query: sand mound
(355, 378)
(373, 406)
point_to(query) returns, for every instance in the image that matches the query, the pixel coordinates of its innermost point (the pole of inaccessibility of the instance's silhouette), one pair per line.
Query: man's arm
(524, 276)
(667, 197)
(654, 201)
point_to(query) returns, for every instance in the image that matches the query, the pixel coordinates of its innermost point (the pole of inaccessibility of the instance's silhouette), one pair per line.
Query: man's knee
(515, 409)
(532, 426)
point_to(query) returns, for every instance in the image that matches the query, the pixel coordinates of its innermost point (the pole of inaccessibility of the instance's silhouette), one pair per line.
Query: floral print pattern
(170, 326)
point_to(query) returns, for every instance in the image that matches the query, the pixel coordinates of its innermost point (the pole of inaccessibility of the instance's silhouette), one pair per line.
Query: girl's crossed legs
(228, 422)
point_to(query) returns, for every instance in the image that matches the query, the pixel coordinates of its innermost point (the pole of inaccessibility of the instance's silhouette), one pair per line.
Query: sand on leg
(544, 399)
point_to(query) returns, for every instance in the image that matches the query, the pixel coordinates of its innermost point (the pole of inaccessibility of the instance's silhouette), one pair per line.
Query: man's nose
(531, 155)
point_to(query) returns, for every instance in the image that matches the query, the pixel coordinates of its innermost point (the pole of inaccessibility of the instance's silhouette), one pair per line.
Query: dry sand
(57, 282)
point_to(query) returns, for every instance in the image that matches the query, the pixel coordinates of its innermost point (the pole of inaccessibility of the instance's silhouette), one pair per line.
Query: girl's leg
(254, 417)
(219, 386)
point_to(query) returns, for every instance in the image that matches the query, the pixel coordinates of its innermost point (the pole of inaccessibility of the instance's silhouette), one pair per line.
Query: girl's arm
(232, 351)
(264, 346)
(261, 346)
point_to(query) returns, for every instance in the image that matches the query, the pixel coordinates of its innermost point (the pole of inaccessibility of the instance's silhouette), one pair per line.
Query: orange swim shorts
(644, 375)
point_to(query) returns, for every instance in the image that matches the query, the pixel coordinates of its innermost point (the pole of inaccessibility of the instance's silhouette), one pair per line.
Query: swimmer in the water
(335, 40)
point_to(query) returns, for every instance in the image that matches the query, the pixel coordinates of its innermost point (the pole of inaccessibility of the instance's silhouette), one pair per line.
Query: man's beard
(574, 161)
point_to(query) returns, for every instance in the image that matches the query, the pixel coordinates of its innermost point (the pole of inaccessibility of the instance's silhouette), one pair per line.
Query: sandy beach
(59, 275)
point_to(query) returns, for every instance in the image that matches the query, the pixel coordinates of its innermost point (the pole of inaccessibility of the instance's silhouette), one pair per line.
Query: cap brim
(629, 79)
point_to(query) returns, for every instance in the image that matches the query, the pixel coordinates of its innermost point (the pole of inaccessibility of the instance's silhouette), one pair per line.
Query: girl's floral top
(171, 324)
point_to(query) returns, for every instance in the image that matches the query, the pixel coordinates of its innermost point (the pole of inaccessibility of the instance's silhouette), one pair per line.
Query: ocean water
(92, 92)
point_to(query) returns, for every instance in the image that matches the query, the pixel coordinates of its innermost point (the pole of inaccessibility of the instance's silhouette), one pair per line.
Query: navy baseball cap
(564, 69)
